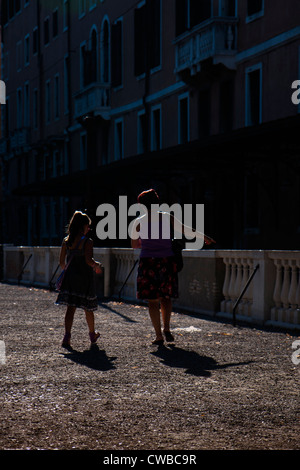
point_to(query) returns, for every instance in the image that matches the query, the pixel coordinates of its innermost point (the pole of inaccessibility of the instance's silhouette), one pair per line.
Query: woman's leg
(154, 312)
(166, 310)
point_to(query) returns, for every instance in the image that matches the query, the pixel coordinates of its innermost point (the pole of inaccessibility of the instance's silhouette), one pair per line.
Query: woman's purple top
(158, 243)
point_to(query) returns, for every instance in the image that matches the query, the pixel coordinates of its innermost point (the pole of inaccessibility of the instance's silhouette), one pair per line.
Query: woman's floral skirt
(157, 278)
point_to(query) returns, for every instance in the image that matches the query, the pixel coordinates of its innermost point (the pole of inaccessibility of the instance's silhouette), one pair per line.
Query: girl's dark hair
(75, 227)
(148, 197)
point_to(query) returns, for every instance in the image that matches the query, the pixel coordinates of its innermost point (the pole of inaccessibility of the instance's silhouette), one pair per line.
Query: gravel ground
(216, 387)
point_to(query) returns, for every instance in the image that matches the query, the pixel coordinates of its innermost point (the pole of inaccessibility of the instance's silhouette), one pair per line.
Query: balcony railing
(94, 99)
(20, 140)
(210, 283)
(214, 39)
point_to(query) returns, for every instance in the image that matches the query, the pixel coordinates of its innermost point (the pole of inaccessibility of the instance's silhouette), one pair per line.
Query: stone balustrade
(210, 283)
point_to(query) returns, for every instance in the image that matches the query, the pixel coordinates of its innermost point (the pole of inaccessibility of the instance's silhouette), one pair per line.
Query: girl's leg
(69, 317)
(154, 312)
(90, 319)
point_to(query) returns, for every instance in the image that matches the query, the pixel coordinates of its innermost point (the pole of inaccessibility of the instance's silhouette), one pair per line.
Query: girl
(78, 288)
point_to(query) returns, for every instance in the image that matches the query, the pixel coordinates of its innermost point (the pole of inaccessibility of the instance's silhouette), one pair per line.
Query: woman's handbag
(60, 278)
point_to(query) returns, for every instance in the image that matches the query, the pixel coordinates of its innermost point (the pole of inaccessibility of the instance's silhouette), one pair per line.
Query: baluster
(296, 318)
(246, 298)
(238, 281)
(292, 292)
(277, 290)
(250, 288)
(285, 291)
(225, 289)
(231, 289)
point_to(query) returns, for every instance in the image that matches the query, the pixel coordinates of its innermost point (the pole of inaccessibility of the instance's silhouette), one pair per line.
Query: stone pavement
(216, 387)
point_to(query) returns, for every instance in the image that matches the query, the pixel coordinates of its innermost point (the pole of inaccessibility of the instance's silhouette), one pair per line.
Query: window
(155, 34)
(26, 50)
(254, 95)
(90, 65)
(228, 8)
(183, 119)
(48, 102)
(46, 31)
(82, 64)
(189, 13)
(35, 41)
(55, 23)
(141, 132)
(26, 105)
(66, 84)
(35, 109)
(255, 9)
(19, 109)
(119, 139)
(140, 38)
(105, 45)
(156, 137)
(65, 15)
(117, 54)
(56, 97)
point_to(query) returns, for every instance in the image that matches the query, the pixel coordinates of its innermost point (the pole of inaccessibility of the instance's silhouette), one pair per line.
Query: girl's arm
(89, 257)
(62, 255)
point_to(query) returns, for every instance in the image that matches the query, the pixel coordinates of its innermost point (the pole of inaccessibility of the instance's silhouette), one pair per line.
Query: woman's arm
(189, 232)
(135, 241)
(88, 251)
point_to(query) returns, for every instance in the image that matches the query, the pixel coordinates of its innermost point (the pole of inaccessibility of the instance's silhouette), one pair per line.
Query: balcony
(214, 39)
(20, 140)
(94, 99)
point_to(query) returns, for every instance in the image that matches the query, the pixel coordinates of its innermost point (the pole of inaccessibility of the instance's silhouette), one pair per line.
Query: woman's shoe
(158, 342)
(94, 336)
(169, 336)
(66, 341)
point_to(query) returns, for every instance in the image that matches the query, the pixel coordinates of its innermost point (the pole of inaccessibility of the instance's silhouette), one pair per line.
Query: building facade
(194, 98)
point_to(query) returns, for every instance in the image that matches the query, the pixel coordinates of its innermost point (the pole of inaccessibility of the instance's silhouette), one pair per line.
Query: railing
(215, 38)
(210, 282)
(93, 99)
(286, 295)
(20, 139)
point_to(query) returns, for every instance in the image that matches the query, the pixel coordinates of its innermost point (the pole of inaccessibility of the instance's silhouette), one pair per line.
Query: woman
(78, 288)
(157, 280)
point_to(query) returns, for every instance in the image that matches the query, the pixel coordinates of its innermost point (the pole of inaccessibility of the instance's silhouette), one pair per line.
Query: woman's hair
(148, 197)
(77, 222)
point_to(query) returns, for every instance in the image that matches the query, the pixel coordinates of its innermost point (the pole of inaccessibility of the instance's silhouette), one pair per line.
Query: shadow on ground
(194, 364)
(94, 358)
